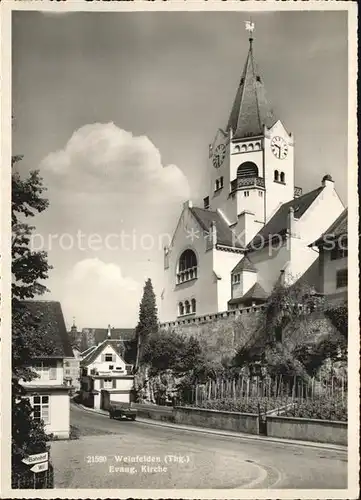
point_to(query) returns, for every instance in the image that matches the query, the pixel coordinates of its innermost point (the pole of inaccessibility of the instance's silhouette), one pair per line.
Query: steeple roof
(250, 109)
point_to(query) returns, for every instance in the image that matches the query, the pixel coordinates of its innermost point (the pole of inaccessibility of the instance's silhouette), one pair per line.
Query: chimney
(188, 204)
(109, 332)
(291, 222)
(327, 181)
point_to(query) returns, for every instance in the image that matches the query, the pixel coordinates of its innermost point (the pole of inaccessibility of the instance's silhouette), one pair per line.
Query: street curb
(239, 435)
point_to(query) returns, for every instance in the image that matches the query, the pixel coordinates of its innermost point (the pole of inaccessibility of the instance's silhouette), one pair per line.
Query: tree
(29, 269)
(148, 319)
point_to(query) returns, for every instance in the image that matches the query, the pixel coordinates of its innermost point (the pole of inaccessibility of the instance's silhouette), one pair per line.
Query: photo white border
(6, 7)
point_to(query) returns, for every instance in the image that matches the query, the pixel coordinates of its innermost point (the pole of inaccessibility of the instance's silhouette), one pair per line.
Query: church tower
(251, 162)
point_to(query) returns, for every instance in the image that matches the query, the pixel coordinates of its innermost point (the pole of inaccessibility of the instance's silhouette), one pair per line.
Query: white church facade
(255, 226)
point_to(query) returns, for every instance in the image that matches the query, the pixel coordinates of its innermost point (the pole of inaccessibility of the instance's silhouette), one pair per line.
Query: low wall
(154, 412)
(322, 431)
(215, 419)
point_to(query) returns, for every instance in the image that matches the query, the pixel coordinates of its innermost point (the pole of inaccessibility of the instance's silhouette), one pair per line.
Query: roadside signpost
(42, 467)
(37, 458)
(39, 462)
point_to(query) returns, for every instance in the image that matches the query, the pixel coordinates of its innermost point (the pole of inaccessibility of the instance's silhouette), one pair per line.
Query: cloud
(98, 294)
(102, 158)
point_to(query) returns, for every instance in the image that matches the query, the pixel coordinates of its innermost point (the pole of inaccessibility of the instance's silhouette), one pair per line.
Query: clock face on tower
(279, 147)
(219, 155)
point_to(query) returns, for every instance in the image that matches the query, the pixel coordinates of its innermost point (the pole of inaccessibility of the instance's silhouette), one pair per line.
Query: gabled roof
(51, 334)
(337, 228)
(277, 225)
(125, 349)
(225, 235)
(244, 265)
(101, 334)
(250, 109)
(256, 292)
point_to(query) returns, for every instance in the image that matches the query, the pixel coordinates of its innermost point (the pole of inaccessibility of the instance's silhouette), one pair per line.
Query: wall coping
(308, 420)
(205, 318)
(194, 408)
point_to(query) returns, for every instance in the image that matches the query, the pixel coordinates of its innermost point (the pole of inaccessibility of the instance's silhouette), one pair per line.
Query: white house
(251, 209)
(49, 393)
(106, 367)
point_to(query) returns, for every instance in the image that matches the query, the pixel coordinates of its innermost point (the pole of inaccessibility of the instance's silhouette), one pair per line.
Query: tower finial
(250, 27)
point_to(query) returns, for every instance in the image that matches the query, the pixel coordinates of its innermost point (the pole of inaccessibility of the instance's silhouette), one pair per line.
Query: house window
(67, 372)
(276, 176)
(217, 185)
(107, 383)
(246, 194)
(260, 194)
(41, 408)
(237, 278)
(206, 202)
(67, 363)
(193, 305)
(221, 182)
(187, 266)
(46, 371)
(187, 307)
(108, 357)
(118, 368)
(180, 309)
(340, 250)
(282, 177)
(341, 278)
(111, 367)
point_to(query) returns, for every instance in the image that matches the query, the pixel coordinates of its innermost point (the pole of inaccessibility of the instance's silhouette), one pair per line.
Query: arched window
(276, 178)
(217, 185)
(180, 309)
(187, 266)
(244, 148)
(250, 147)
(187, 307)
(193, 305)
(257, 146)
(282, 177)
(247, 169)
(237, 149)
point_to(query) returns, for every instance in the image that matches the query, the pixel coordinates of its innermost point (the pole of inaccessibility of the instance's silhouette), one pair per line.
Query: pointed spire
(250, 111)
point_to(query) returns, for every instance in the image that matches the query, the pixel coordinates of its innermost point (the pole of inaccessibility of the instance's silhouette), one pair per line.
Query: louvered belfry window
(247, 169)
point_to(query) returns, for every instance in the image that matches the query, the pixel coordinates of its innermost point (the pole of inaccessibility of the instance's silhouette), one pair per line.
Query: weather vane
(249, 26)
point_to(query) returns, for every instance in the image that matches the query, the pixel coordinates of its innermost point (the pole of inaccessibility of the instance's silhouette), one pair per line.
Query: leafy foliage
(29, 269)
(285, 341)
(166, 350)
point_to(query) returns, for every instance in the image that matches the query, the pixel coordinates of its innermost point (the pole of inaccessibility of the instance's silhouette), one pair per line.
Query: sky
(117, 111)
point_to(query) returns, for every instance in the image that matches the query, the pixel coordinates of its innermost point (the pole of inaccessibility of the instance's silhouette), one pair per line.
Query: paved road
(143, 455)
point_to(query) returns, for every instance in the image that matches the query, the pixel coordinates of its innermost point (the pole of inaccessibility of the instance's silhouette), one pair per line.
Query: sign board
(34, 459)
(43, 466)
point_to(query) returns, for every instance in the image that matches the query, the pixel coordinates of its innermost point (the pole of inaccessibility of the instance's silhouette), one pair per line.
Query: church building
(255, 226)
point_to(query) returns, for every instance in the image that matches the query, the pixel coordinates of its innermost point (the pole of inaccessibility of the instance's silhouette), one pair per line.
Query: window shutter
(101, 383)
(114, 383)
(52, 373)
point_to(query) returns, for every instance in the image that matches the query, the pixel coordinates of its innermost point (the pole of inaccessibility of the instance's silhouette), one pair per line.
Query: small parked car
(120, 410)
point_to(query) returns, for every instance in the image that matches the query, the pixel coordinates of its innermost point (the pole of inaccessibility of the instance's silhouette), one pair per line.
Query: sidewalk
(238, 435)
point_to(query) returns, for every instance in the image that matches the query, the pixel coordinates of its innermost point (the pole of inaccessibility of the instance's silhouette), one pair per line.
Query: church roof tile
(250, 109)
(277, 225)
(225, 235)
(244, 265)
